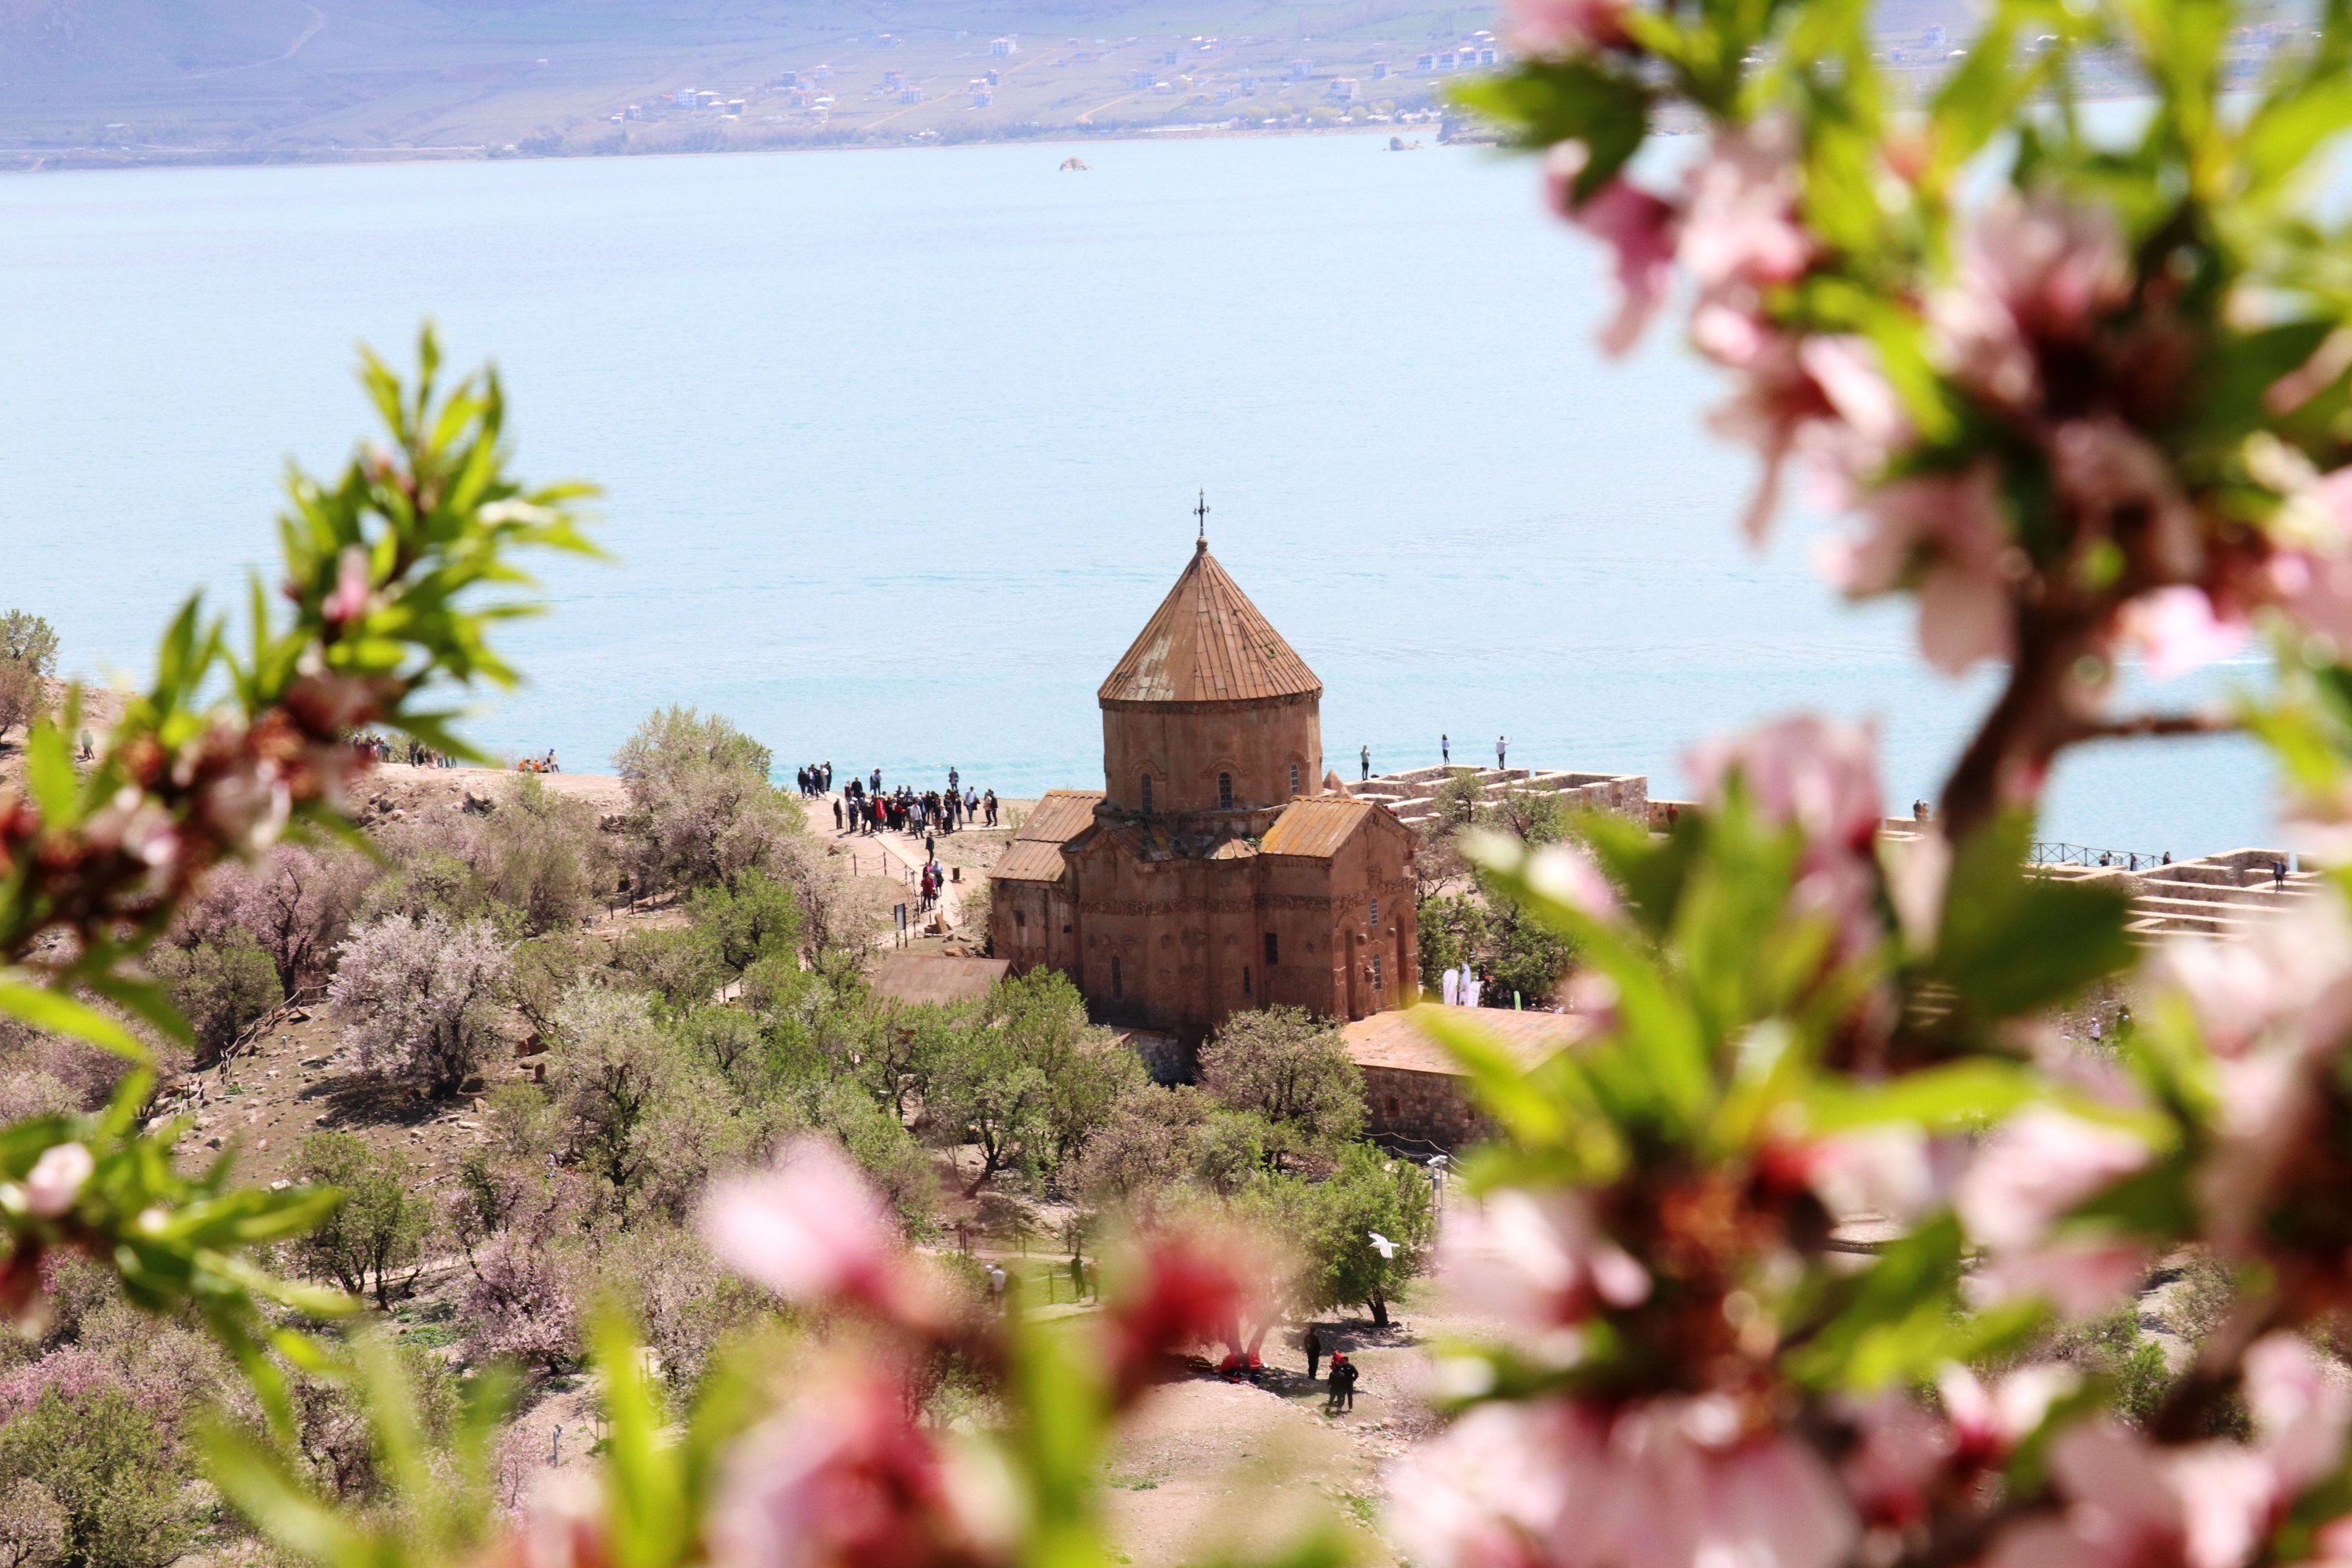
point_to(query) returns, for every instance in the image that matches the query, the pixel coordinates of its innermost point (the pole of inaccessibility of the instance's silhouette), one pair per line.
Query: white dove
(1381, 1244)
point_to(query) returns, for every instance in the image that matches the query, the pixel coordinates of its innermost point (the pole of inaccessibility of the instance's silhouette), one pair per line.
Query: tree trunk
(1379, 1303)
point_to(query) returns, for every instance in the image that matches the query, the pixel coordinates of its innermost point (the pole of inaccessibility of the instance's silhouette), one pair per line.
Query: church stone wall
(1421, 1110)
(1185, 745)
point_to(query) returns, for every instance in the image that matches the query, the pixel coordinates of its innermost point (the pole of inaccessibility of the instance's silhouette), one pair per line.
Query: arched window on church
(1146, 795)
(1224, 792)
(1376, 914)
(1294, 778)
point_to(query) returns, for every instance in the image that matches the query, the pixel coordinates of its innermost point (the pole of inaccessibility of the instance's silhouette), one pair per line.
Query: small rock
(213, 1141)
(280, 1185)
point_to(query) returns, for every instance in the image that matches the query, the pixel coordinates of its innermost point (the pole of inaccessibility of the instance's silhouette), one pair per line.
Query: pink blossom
(1669, 1483)
(2080, 1276)
(813, 1230)
(1946, 530)
(1492, 1490)
(1891, 1172)
(2130, 1505)
(250, 806)
(1988, 1424)
(1685, 1488)
(1817, 775)
(2301, 1408)
(844, 1478)
(1847, 369)
(1900, 1449)
(348, 601)
(2031, 271)
(1567, 26)
(2177, 631)
(1187, 1287)
(2036, 1166)
(56, 1180)
(2288, 985)
(2315, 591)
(1567, 874)
(1638, 228)
(1743, 228)
(561, 1525)
(1537, 1260)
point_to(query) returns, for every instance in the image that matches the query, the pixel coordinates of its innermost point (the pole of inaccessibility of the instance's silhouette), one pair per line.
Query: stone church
(1219, 869)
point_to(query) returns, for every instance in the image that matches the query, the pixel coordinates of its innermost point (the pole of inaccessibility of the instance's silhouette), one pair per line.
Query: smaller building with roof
(1219, 869)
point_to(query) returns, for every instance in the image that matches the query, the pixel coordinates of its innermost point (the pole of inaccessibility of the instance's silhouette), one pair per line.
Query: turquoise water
(900, 450)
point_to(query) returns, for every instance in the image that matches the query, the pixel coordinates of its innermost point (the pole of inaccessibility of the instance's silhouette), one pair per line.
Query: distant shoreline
(86, 160)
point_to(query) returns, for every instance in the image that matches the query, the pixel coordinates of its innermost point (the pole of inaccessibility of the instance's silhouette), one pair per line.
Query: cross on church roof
(1201, 513)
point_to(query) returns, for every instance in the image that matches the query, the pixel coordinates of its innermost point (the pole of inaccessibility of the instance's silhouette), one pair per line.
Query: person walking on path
(989, 801)
(1343, 1383)
(1364, 755)
(1314, 1346)
(1502, 751)
(837, 816)
(2278, 876)
(1445, 749)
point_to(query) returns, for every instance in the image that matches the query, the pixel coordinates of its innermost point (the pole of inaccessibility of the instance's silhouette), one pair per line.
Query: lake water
(900, 450)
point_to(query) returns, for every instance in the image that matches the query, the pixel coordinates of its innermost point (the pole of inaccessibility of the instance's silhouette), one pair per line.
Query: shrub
(109, 1472)
(756, 918)
(609, 1066)
(683, 966)
(28, 658)
(220, 986)
(542, 854)
(382, 1225)
(1292, 1068)
(1369, 1194)
(701, 809)
(419, 998)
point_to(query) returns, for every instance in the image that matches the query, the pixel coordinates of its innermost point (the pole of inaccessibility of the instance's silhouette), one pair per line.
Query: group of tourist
(816, 779)
(384, 748)
(869, 809)
(545, 764)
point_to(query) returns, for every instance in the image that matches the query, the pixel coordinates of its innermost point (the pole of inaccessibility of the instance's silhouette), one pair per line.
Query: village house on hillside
(1219, 869)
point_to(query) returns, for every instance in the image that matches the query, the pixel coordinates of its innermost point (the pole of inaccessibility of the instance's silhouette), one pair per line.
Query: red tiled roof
(1394, 1040)
(1316, 830)
(1028, 860)
(1059, 815)
(934, 977)
(1207, 643)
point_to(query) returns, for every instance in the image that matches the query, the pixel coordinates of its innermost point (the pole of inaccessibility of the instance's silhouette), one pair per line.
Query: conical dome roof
(1207, 643)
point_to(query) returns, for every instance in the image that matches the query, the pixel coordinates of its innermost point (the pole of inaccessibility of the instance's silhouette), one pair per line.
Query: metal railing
(2048, 853)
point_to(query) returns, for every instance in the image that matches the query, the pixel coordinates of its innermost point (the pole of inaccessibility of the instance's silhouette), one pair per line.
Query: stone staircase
(1412, 795)
(2221, 895)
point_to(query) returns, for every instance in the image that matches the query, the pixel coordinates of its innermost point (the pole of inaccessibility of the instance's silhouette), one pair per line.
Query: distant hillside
(85, 81)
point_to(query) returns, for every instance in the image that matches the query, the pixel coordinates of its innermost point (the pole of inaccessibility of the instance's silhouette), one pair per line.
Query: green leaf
(1955, 1097)
(49, 775)
(1550, 102)
(2013, 942)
